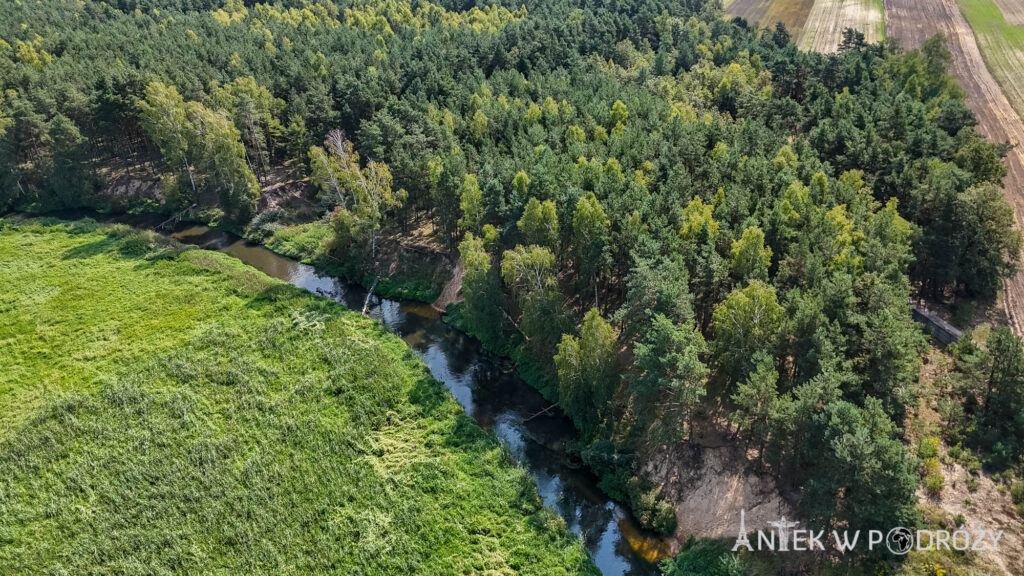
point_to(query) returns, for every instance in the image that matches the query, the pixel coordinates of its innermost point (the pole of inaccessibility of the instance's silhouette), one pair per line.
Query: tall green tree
(985, 239)
(162, 115)
(529, 272)
(587, 373)
(471, 202)
(672, 377)
(746, 322)
(539, 224)
(590, 233)
(861, 475)
(759, 406)
(364, 192)
(481, 291)
(750, 257)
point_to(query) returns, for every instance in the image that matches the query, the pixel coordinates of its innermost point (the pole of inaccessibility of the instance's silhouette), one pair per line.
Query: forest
(674, 223)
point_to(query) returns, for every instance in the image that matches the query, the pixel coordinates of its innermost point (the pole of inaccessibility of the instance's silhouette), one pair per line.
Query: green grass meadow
(165, 410)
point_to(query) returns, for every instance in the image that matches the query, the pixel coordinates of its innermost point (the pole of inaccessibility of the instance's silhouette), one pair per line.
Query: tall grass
(170, 411)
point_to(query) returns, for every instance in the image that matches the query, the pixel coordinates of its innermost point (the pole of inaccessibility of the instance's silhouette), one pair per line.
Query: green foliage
(746, 322)
(988, 385)
(844, 182)
(706, 557)
(208, 392)
(471, 202)
(986, 240)
(696, 216)
(653, 512)
(934, 482)
(206, 147)
(587, 373)
(760, 410)
(301, 241)
(590, 235)
(862, 475)
(481, 291)
(672, 376)
(928, 448)
(539, 224)
(750, 257)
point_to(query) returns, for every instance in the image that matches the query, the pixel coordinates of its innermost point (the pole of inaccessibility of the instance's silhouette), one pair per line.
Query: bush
(955, 452)
(928, 448)
(707, 558)
(653, 512)
(934, 483)
(1017, 492)
(933, 480)
(264, 224)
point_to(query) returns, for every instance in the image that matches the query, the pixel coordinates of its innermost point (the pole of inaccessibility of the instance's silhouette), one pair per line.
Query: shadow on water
(497, 399)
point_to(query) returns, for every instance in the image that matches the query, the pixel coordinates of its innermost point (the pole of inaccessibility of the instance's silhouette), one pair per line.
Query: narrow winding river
(492, 394)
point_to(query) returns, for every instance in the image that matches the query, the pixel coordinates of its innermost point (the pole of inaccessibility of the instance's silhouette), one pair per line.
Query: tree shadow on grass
(428, 394)
(469, 436)
(90, 250)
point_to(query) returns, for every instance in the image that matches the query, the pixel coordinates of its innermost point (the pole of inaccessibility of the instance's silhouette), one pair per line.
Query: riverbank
(165, 407)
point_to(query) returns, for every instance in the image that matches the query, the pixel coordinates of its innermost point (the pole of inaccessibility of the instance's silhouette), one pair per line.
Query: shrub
(652, 511)
(933, 480)
(928, 448)
(265, 224)
(707, 558)
(934, 483)
(1017, 492)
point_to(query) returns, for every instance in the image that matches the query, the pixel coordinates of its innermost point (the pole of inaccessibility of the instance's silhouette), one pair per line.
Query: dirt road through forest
(911, 22)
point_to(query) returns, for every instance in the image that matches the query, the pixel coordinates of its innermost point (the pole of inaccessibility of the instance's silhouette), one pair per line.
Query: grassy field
(1002, 46)
(823, 30)
(170, 411)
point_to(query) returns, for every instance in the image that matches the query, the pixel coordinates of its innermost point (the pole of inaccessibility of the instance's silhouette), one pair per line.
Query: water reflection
(497, 399)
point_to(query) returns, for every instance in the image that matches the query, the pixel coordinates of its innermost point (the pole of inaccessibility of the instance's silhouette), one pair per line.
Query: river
(492, 394)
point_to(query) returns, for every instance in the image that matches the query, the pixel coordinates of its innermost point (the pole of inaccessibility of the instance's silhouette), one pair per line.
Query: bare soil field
(1013, 11)
(911, 22)
(823, 30)
(765, 13)
(1001, 44)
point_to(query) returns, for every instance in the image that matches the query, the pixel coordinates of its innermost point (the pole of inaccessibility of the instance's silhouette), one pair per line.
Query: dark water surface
(495, 396)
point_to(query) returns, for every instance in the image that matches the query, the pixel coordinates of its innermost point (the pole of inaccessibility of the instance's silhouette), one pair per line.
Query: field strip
(752, 10)
(1002, 46)
(765, 13)
(1013, 11)
(828, 18)
(792, 13)
(911, 22)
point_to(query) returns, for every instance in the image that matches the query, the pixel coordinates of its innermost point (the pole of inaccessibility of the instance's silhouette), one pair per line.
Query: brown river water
(491, 392)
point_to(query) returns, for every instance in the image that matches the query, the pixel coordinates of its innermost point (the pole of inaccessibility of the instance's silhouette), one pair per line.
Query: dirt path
(911, 22)
(450, 292)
